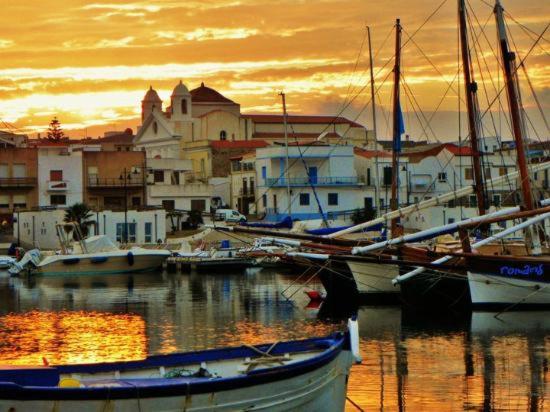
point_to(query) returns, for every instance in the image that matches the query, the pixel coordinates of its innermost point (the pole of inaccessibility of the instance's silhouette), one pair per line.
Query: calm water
(410, 363)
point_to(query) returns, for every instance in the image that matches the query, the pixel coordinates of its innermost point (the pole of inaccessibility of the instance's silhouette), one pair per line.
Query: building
(374, 168)
(172, 185)
(8, 139)
(37, 228)
(319, 179)
(243, 183)
(60, 180)
(18, 180)
(113, 179)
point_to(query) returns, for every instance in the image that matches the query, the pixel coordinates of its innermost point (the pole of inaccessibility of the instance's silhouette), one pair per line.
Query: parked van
(229, 215)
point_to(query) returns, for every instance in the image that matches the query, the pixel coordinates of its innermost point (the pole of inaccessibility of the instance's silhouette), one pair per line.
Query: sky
(90, 62)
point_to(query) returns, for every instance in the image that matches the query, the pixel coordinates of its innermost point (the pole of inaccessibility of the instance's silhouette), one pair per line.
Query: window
(245, 186)
(468, 174)
(148, 232)
(175, 178)
(264, 200)
(4, 201)
(368, 176)
(58, 200)
(496, 200)
(252, 183)
(120, 235)
(451, 220)
(442, 177)
(487, 173)
(56, 175)
(168, 204)
(19, 170)
(155, 127)
(223, 135)
(473, 201)
(333, 199)
(20, 201)
(452, 203)
(198, 204)
(158, 176)
(119, 149)
(136, 201)
(502, 171)
(368, 203)
(275, 202)
(184, 106)
(304, 199)
(113, 202)
(387, 176)
(264, 172)
(3, 170)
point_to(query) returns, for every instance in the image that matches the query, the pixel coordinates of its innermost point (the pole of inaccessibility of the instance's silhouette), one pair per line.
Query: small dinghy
(307, 375)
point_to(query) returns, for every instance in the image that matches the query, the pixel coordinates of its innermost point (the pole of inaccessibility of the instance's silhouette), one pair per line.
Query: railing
(6, 182)
(114, 182)
(316, 181)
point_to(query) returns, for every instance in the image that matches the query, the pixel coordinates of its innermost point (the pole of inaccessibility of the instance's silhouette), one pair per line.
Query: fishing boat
(307, 375)
(88, 256)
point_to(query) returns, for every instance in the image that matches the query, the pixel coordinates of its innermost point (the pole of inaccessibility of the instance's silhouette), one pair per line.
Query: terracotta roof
(369, 154)
(121, 138)
(205, 94)
(293, 119)
(459, 150)
(418, 153)
(278, 136)
(238, 144)
(245, 155)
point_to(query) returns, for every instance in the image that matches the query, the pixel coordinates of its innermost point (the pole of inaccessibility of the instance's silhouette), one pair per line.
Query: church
(197, 117)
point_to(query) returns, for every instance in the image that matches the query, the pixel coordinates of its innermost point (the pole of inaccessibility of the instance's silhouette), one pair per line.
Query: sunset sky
(90, 62)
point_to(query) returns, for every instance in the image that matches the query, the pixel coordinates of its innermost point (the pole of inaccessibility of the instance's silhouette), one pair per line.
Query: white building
(321, 178)
(59, 174)
(37, 228)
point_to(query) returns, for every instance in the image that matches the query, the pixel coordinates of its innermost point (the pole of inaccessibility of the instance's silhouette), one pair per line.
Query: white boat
(304, 375)
(92, 255)
(374, 281)
(6, 262)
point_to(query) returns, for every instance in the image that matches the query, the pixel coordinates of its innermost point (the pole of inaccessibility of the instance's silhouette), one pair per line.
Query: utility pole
(287, 166)
(373, 99)
(470, 87)
(397, 119)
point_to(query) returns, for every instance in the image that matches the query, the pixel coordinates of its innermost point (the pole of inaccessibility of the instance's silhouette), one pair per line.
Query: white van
(229, 215)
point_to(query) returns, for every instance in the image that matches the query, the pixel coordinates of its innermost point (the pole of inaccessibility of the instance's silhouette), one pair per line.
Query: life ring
(130, 257)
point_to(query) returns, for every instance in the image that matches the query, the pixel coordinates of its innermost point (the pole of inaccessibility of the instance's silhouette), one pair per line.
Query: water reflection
(472, 362)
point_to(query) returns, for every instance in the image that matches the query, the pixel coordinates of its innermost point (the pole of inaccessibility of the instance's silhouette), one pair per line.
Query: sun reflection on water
(71, 337)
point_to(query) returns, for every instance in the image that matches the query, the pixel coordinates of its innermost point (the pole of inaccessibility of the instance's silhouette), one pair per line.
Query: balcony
(114, 182)
(246, 192)
(58, 185)
(319, 181)
(187, 190)
(17, 182)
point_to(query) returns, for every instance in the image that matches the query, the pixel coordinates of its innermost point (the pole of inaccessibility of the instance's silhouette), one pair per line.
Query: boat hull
(114, 263)
(504, 281)
(374, 282)
(315, 382)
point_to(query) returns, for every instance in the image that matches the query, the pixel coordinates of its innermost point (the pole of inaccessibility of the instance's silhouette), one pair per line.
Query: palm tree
(81, 214)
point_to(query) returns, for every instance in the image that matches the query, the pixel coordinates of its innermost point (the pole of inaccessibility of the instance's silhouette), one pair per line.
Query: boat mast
(372, 96)
(396, 127)
(472, 105)
(509, 69)
(287, 166)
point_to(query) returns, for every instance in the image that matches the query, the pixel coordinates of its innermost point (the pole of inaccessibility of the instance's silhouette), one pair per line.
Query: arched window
(223, 135)
(184, 106)
(155, 127)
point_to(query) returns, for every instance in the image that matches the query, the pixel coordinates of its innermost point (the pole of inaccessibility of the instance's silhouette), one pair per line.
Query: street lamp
(126, 177)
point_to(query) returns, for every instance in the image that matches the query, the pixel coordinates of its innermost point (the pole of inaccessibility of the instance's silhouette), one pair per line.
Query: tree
(55, 132)
(81, 214)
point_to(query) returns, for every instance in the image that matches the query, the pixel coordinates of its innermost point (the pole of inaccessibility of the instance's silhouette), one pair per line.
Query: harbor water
(477, 361)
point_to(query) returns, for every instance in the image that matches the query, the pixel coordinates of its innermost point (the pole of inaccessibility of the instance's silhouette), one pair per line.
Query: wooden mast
(509, 69)
(472, 105)
(396, 128)
(373, 97)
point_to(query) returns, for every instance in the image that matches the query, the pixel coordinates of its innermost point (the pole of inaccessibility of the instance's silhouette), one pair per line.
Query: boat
(306, 375)
(88, 256)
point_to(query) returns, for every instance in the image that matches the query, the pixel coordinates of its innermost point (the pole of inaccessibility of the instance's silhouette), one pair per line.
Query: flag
(401, 129)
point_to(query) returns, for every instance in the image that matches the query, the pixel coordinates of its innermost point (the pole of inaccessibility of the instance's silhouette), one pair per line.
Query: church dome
(205, 94)
(180, 90)
(151, 96)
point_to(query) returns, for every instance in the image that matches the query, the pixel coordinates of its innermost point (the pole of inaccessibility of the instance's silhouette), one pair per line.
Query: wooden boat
(307, 375)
